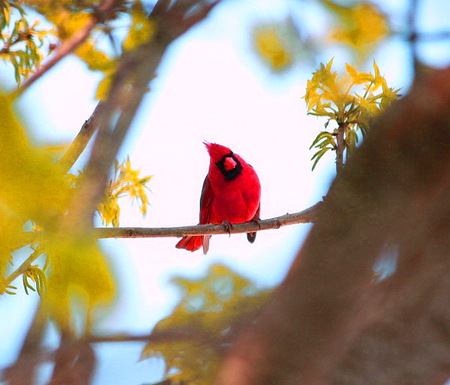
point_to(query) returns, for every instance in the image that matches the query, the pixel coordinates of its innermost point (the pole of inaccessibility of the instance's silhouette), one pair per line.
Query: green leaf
(317, 157)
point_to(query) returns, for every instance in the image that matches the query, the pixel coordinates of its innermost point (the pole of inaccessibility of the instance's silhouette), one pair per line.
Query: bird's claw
(227, 226)
(257, 221)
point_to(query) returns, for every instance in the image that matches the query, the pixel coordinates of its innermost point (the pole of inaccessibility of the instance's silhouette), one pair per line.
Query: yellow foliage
(79, 274)
(34, 188)
(361, 26)
(142, 28)
(273, 46)
(23, 44)
(68, 23)
(204, 323)
(337, 98)
(104, 86)
(125, 182)
(94, 58)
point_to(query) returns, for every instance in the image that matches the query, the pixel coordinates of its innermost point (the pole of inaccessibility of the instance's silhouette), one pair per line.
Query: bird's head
(228, 163)
(217, 151)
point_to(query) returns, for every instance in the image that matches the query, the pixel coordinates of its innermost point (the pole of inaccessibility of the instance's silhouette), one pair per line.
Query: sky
(210, 86)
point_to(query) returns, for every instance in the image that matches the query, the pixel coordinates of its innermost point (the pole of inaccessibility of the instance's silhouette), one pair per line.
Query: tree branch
(412, 22)
(81, 141)
(306, 216)
(169, 335)
(340, 140)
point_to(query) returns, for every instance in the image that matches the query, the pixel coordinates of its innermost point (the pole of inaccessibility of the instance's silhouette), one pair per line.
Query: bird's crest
(217, 151)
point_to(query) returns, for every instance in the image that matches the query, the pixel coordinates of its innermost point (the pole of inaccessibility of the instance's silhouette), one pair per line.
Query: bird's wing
(206, 201)
(256, 216)
(252, 236)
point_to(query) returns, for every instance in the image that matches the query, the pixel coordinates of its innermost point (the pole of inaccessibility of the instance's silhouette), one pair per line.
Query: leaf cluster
(361, 25)
(277, 44)
(125, 181)
(351, 101)
(358, 25)
(210, 313)
(22, 43)
(36, 189)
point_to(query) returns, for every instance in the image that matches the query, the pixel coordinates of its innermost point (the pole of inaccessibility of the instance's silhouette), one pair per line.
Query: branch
(340, 140)
(22, 268)
(81, 141)
(72, 43)
(169, 335)
(412, 16)
(306, 216)
(22, 372)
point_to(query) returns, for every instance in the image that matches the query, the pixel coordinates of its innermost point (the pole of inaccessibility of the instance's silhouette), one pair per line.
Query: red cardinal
(231, 193)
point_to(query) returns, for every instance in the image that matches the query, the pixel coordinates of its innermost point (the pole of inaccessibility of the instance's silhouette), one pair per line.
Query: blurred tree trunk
(331, 321)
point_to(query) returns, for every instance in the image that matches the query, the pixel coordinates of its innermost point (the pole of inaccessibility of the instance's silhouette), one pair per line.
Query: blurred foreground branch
(329, 322)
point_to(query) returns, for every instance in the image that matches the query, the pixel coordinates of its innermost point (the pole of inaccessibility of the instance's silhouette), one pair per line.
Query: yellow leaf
(209, 308)
(79, 275)
(352, 72)
(272, 47)
(103, 88)
(94, 58)
(34, 188)
(68, 23)
(362, 25)
(142, 28)
(32, 185)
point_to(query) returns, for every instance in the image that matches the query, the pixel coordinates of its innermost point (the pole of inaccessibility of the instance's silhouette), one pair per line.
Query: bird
(231, 194)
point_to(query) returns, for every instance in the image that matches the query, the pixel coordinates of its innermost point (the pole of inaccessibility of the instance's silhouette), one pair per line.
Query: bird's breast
(236, 201)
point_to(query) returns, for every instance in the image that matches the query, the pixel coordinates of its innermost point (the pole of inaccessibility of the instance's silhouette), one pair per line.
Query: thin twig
(72, 43)
(22, 268)
(340, 148)
(81, 141)
(431, 36)
(60, 53)
(412, 22)
(152, 337)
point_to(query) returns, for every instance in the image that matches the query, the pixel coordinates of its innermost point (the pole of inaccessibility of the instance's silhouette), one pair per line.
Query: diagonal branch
(72, 43)
(79, 144)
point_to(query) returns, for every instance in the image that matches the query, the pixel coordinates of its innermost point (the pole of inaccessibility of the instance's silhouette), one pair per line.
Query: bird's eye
(229, 163)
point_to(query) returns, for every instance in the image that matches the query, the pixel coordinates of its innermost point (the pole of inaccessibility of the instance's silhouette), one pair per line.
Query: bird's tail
(251, 237)
(193, 243)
